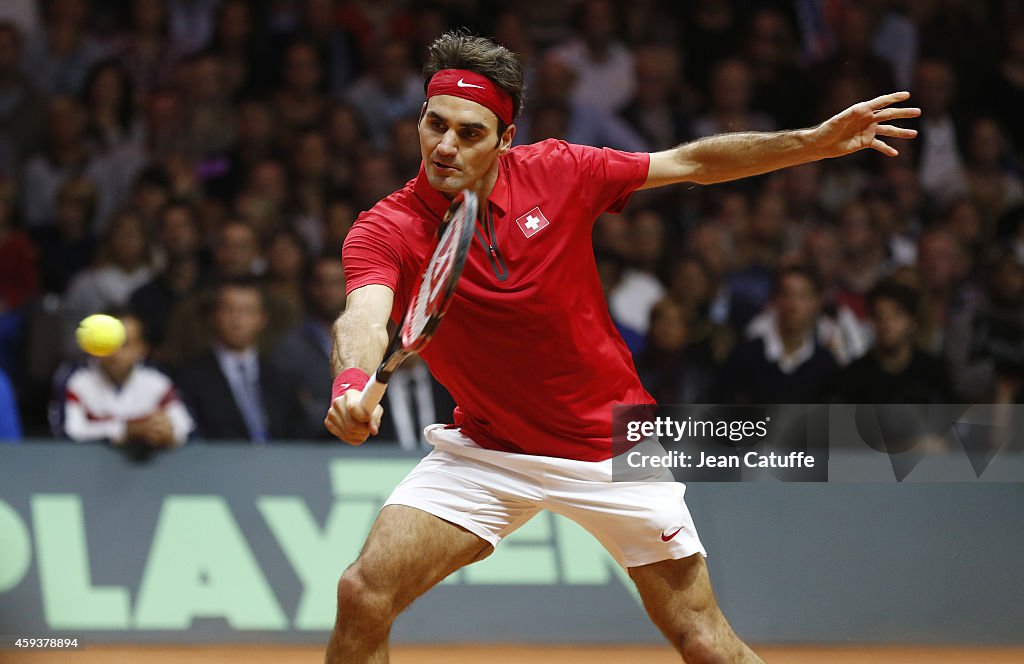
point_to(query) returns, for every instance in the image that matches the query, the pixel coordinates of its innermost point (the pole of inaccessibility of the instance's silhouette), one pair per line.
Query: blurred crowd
(193, 167)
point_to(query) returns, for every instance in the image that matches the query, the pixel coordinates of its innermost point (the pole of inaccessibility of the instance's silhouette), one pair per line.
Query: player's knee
(361, 603)
(701, 649)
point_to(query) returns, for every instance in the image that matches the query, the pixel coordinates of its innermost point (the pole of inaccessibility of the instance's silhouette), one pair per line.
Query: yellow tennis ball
(100, 335)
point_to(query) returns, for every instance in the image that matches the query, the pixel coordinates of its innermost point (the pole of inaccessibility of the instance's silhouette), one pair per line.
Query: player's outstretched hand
(350, 422)
(863, 125)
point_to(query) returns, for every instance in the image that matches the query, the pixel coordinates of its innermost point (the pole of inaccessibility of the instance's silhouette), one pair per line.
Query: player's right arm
(360, 339)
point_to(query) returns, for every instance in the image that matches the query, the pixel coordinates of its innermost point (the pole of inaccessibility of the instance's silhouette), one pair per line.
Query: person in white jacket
(120, 400)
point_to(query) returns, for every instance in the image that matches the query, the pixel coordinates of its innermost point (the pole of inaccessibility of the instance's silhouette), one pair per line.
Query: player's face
(459, 143)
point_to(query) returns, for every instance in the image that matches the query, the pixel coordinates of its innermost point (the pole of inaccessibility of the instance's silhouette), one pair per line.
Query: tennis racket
(432, 296)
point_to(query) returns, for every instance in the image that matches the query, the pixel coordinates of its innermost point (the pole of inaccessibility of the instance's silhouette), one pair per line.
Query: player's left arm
(732, 156)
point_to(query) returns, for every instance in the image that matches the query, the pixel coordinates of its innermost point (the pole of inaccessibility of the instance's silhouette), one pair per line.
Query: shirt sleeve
(79, 427)
(368, 256)
(610, 176)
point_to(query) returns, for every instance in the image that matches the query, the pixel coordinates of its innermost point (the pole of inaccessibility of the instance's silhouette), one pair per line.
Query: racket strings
(439, 273)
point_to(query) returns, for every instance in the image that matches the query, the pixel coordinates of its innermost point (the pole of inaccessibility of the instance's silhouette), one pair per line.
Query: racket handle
(372, 393)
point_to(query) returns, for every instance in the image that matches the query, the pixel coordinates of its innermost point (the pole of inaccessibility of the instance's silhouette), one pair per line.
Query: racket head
(440, 273)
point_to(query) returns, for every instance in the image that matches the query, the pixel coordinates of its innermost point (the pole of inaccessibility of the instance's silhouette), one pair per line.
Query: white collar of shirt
(775, 351)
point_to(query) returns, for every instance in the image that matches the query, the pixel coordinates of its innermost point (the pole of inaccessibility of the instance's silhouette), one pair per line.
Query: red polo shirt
(527, 349)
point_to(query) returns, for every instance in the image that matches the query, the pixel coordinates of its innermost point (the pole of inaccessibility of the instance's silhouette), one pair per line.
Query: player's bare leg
(678, 597)
(407, 552)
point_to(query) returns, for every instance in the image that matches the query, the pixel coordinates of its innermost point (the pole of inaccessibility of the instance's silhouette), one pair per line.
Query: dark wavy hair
(458, 49)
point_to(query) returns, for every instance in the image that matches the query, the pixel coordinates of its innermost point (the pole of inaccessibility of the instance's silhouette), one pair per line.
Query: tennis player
(528, 349)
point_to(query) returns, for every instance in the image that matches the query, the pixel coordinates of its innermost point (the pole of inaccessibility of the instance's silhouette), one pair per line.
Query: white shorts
(492, 493)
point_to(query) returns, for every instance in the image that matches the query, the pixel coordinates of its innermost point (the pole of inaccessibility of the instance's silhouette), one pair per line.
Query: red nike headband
(469, 85)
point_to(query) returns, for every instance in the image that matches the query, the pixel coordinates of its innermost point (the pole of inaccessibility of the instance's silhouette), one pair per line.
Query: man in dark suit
(304, 352)
(233, 392)
(413, 400)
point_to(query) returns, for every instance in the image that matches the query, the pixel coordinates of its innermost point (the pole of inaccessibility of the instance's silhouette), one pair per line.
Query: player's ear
(505, 141)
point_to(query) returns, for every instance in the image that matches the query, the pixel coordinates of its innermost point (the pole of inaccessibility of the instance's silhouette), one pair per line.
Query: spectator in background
(639, 287)
(124, 263)
(785, 363)
(895, 38)
(287, 264)
(711, 32)
(963, 219)
(964, 34)
(145, 48)
(729, 108)
(336, 44)
(406, 151)
(989, 170)
(603, 65)
(610, 266)
(853, 55)
(939, 162)
(304, 353)
(894, 371)
(264, 200)
(59, 57)
(340, 217)
(941, 268)
(10, 423)
(389, 91)
(712, 244)
(346, 141)
(660, 108)
(780, 87)
(120, 400)
(985, 341)
(236, 256)
(21, 105)
(844, 323)
(671, 369)
(178, 242)
(19, 277)
(236, 43)
(577, 122)
(209, 118)
(191, 23)
(109, 102)
(67, 155)
(310, 185)
(692, 283)
(896, 203)
(233, 392)
(255, 141)
(1006, 85)
(68, 245)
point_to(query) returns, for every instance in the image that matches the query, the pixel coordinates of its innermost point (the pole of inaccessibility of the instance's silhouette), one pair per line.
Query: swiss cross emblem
(532, 221)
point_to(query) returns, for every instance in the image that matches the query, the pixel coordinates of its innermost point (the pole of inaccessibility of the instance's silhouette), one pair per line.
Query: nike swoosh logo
(463, 84)
(345, 386)
(665, 538)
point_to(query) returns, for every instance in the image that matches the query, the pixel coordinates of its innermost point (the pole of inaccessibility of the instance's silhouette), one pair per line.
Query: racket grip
(372, 393)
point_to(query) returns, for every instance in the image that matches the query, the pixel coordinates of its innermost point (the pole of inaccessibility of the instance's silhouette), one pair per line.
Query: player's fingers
(896, 113)
(378, 413)
(352, 404)
(884, 148)
(886, 100)
(344, 427)
(895, 132)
